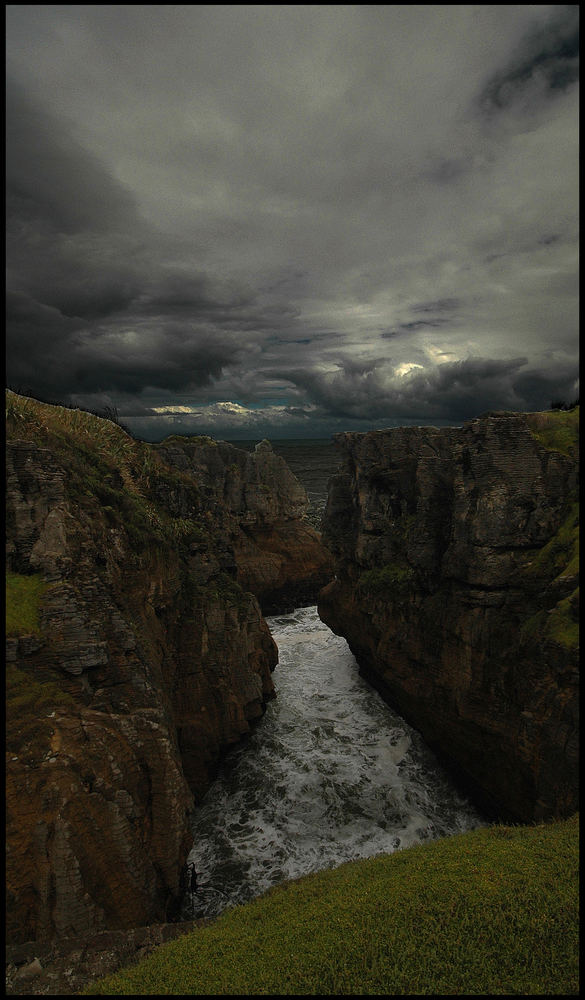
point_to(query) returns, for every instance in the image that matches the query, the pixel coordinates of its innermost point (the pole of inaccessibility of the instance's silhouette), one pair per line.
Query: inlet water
(330, 774)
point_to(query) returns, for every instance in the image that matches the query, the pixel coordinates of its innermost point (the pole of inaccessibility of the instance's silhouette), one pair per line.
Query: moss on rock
(23, 600)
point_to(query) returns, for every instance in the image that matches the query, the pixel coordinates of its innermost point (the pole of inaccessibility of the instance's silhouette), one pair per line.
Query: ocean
(312, 461)
(330, 773)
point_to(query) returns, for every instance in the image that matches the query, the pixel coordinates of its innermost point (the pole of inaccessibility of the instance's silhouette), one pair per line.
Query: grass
(23, 598)
(492, 911)
(104, 464)
(563, 622)
(556, 561)
(182, 439)
(557, 430)
(560, 556)
(44, 421)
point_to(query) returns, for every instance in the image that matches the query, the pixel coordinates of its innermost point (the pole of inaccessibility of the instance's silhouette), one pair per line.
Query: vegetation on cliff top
(104, 463)
(557, 430)
(493, 911)
(46, 423)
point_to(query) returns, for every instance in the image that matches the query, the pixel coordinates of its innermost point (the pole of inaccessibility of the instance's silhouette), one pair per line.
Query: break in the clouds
(287, 221)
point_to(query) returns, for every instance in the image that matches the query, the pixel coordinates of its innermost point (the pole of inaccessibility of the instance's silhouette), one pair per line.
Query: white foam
(330, 774)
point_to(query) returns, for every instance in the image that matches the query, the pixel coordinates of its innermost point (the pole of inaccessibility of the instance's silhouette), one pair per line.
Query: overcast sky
(285, 221)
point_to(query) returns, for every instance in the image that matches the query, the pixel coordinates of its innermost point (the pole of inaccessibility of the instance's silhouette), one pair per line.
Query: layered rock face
(260, 505)
(457, 591)
(135, 658)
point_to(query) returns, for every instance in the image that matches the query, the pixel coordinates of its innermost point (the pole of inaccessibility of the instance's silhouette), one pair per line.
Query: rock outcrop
(457, 590)
(134, 656)
(260, 505)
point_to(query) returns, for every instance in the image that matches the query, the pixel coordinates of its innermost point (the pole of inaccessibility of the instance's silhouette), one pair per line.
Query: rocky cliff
(136, 652)
(457, 590)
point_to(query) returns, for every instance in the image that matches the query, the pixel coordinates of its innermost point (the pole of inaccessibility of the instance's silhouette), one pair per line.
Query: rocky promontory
(137, 652)
(457, 590)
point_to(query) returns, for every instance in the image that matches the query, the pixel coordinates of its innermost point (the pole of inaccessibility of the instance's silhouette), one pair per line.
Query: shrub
(391, 580)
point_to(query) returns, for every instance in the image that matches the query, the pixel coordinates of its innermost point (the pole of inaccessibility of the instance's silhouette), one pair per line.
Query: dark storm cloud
(463, 389)
(38, 342)
(548, 57)
(416, 324)
(71, 228)
(436, 314)
(175, 358)
(453, 391)
(224, 305)
(90, 309)
(92, 359)
(52, 182)
(252, 216)
(437, 306)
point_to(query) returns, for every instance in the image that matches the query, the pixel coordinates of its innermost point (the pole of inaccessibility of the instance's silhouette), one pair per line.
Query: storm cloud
(287, 221)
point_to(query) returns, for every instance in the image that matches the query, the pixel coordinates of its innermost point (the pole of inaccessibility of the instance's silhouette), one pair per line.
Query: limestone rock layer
(134, 656)
(457, 590)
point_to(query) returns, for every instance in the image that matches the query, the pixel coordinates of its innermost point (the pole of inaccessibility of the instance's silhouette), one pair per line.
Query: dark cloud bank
(370, 266)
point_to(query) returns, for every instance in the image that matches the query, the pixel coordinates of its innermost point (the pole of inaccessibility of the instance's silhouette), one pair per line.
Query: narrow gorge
(138, 577)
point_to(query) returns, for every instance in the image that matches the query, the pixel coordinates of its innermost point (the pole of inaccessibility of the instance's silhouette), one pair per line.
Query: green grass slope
(557, 430)
(493, 911)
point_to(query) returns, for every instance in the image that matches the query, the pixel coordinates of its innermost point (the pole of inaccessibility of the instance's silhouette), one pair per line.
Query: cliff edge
(136, 653)
(457, 589)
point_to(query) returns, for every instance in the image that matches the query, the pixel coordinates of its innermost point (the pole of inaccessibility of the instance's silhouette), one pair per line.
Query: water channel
(329, 774)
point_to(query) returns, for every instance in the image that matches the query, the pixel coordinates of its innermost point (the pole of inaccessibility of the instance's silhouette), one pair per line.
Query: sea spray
(329, 774)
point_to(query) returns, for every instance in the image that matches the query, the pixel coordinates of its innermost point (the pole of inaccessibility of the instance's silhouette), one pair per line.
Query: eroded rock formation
(135, 658)
(457, 591)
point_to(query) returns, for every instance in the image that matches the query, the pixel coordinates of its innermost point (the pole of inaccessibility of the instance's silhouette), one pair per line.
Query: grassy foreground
(493, 911)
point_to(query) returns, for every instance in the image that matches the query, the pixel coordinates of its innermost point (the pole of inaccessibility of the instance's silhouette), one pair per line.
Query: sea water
(330, 774)
(312, 461)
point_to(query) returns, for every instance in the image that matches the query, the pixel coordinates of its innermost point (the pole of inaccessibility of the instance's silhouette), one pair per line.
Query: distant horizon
(255, 438)
(244, 220)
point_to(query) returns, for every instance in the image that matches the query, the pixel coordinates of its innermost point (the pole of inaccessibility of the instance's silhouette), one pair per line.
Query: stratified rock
(276, 554)
(135, 658)
(457, 591)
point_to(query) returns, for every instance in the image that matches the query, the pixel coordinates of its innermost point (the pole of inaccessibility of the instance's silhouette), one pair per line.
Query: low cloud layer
(256, 221)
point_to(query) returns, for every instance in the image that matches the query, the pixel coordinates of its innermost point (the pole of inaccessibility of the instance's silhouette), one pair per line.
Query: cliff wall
(457, 590)
(134, 655)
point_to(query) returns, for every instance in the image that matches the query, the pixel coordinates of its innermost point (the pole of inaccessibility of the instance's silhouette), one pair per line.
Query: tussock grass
(492, 911)
(104, 463)
(46, 423)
